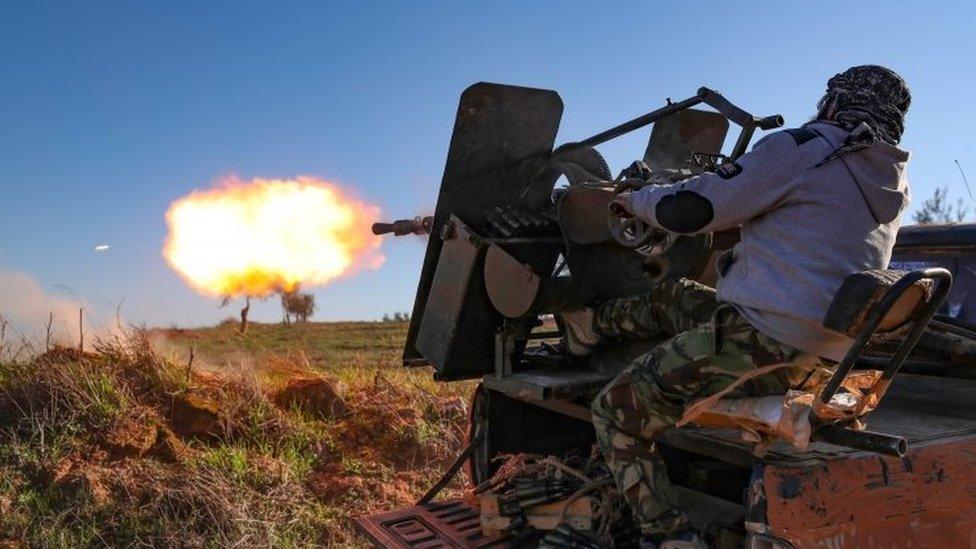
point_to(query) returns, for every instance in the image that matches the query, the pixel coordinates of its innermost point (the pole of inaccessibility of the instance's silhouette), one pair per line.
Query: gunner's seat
(870, 307)
(883, 304)
(860, 292)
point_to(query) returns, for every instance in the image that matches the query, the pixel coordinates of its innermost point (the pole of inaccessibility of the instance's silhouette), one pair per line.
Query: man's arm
(756, 183)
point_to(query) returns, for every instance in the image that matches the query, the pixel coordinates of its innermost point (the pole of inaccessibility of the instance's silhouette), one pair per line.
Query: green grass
(325, 345)
(277, 477)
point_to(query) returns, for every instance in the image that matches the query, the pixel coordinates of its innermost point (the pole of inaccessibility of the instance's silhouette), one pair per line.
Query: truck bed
(925, 410)
(825, 496)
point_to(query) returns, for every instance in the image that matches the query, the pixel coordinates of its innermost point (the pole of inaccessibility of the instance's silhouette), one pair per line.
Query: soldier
(814, 204)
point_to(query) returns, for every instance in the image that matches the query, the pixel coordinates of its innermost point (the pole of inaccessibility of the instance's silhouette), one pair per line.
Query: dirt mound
(77, 480)
(131, 435)
(168, 448)
(58, 354)
(335, 485)
(196, 415)
(124, 446)
(314, 395)
(143, 433)
(393, 424)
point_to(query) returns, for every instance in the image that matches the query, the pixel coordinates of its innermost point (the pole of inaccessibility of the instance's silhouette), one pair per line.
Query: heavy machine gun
(499, 209)
(521, 232)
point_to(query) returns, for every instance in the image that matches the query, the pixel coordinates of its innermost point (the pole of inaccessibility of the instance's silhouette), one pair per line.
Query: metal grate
(442, 524)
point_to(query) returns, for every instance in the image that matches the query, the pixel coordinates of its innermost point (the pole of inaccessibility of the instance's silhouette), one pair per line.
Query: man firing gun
(814, 204)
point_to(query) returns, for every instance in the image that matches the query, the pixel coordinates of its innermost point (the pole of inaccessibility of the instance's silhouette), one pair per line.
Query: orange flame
(262, 236)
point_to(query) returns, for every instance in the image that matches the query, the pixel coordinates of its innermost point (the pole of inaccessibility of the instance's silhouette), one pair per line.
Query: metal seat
(870, 306)
(860, 292)
(873, 304)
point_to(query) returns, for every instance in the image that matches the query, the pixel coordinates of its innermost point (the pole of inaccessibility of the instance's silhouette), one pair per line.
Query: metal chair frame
(866, 440)
(920, 320)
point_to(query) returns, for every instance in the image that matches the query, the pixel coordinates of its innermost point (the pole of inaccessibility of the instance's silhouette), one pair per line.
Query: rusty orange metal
(926, 499)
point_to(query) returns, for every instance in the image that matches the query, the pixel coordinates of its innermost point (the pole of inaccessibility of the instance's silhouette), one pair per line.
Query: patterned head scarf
(867, 94)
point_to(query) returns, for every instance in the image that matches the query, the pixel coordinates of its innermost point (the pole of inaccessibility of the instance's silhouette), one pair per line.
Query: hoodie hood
(879, 171)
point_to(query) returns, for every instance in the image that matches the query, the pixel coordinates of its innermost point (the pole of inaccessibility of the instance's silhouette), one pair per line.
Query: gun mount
(521, 231)
(510, 245)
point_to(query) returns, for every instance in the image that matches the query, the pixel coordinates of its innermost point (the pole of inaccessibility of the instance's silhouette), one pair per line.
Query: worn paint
(927, 498)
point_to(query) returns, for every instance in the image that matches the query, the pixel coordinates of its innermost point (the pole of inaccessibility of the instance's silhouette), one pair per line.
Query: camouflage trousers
(712, 346)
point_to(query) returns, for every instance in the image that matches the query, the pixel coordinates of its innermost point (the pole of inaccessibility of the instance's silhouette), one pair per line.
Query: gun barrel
(400, 227)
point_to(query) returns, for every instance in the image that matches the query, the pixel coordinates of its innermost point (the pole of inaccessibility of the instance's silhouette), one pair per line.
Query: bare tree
(244, 311)
(938, 209)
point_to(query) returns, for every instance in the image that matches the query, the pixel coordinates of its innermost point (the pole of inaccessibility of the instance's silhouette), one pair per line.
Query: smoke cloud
(26, 308)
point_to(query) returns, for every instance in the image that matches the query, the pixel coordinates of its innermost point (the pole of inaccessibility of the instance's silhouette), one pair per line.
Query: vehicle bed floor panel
(925, 410)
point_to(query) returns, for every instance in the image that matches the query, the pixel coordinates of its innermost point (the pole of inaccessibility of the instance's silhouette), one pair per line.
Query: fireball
(263, 236)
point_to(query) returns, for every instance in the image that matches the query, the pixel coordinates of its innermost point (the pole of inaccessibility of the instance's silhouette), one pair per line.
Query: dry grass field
(272, 438)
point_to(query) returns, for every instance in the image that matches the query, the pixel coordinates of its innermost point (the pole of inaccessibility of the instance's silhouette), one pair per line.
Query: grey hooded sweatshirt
(804, 227)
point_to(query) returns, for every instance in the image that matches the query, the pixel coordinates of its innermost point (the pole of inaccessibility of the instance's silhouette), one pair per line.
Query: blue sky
(109, 111)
